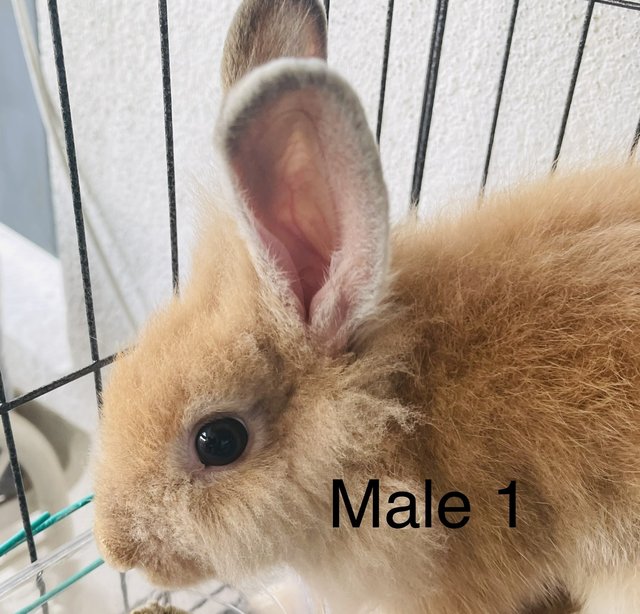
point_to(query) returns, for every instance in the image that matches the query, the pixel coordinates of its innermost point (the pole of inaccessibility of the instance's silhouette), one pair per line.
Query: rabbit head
(224, 426)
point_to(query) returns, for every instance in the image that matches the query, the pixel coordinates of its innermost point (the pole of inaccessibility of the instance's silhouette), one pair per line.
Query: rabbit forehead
(177, 363)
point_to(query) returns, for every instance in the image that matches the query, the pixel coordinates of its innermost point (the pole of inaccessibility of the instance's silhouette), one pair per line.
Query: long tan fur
(506, 347)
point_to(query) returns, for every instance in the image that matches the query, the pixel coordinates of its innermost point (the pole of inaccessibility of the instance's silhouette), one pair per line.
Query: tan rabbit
(447, 360)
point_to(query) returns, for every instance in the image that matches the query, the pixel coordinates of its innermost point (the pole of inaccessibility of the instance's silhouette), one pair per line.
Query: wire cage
(35, 576)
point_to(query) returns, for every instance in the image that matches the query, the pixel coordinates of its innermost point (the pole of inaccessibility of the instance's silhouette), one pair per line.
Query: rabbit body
(496, 347)
(526, 366)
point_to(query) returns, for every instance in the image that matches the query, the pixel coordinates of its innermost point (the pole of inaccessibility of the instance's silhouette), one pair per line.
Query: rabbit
(317, 359)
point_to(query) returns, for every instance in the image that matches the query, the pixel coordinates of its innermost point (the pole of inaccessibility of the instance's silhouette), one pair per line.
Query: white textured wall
(112, 54)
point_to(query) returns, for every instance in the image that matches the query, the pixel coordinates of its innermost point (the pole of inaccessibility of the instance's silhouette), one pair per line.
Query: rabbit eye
(221, 442)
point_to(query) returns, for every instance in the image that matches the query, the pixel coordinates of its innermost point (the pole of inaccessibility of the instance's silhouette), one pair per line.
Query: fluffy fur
(293, 28)
(505, 345)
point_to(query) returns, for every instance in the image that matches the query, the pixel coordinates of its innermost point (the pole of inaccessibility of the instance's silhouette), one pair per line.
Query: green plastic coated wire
(21, 535)
(42, 522)
(61, 587)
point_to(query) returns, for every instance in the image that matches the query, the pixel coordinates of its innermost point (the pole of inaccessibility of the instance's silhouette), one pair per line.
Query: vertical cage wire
(124, 591)
(574, 79)
(17, 476)
(634, 142)
(437, 37)
(385, 64)
(21, 493)
(168, 133)
(496, 109)
(67, 122)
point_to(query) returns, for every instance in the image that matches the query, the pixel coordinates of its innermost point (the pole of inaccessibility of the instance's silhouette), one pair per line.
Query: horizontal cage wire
(438, 35)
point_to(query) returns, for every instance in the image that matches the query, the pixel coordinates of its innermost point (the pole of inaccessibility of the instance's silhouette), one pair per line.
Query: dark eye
(221, 442)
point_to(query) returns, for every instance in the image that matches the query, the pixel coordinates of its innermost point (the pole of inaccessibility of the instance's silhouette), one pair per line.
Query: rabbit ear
(264, 30)
(306, 166)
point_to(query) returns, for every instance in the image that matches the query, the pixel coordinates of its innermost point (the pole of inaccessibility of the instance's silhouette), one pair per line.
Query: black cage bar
(438, 36)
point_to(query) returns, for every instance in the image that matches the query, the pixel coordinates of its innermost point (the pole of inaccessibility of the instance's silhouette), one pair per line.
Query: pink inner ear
(282, 167)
